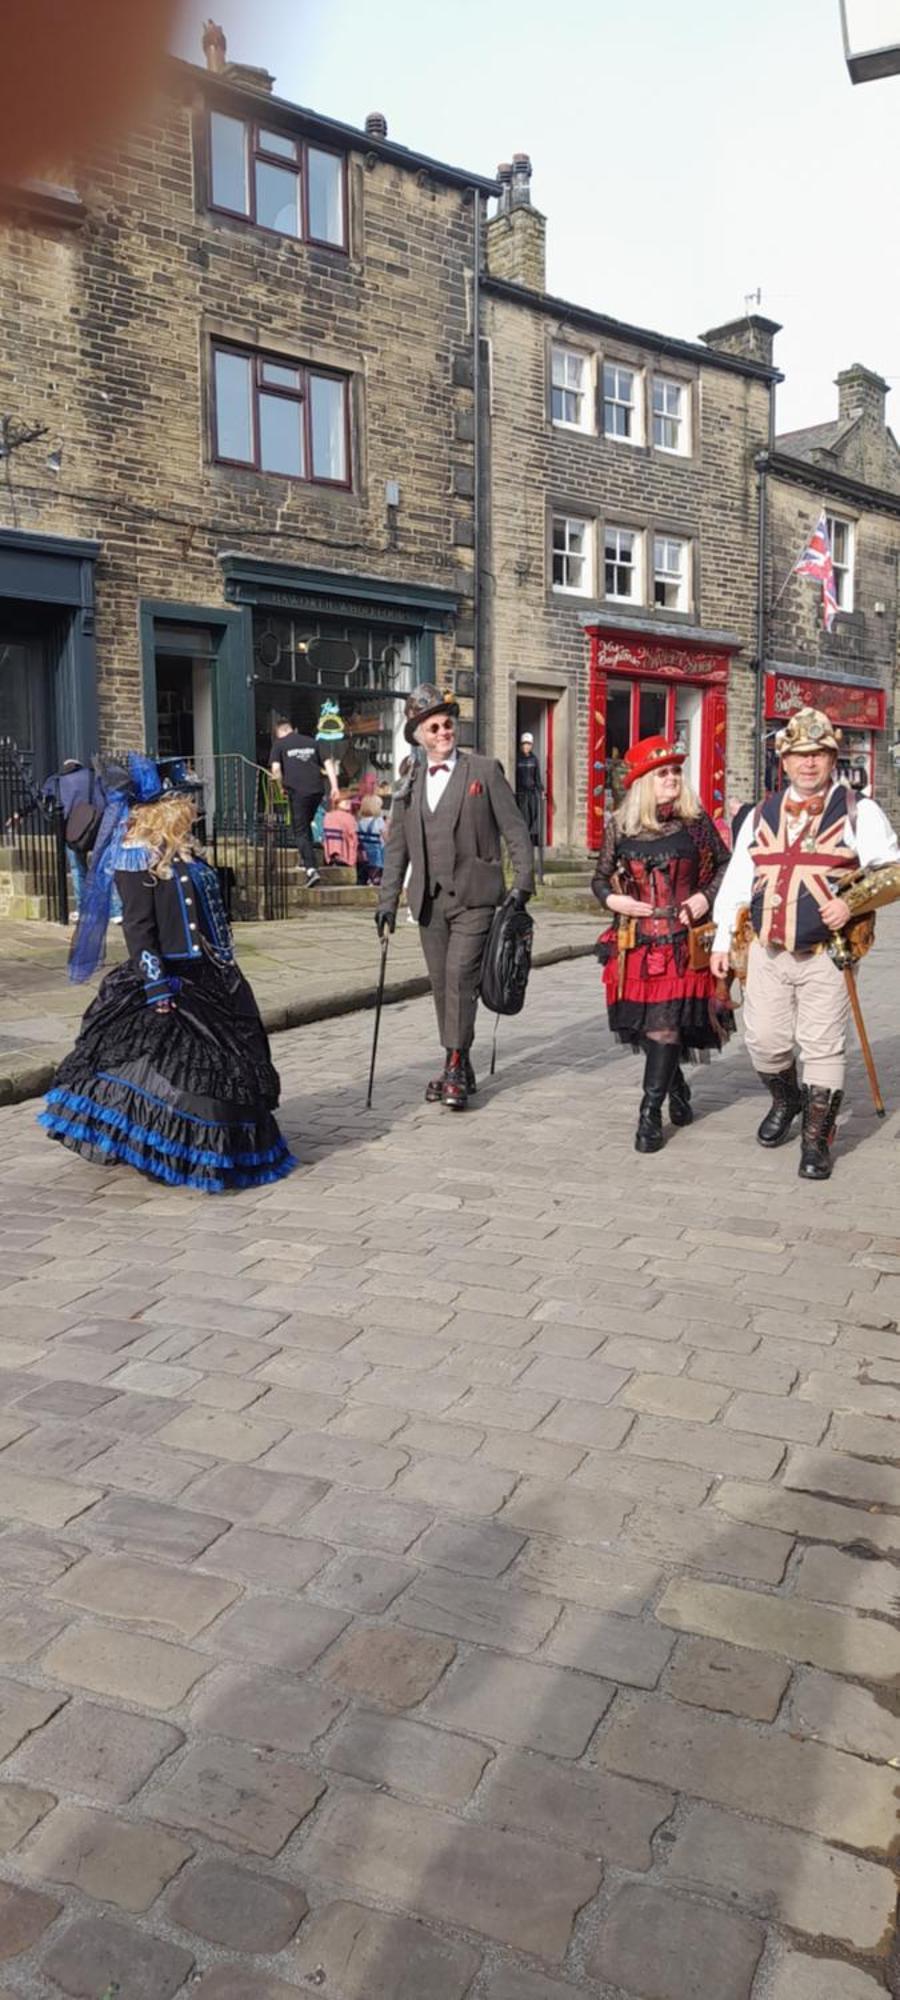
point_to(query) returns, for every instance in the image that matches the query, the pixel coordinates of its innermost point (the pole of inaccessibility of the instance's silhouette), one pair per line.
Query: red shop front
(640, 686)
(859, 710)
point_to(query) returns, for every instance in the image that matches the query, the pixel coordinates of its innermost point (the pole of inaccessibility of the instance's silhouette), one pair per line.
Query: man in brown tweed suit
(446, 827)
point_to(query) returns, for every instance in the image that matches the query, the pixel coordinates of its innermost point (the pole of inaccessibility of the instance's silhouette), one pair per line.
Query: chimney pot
(520, 193)
(214, 46)
(376, 125)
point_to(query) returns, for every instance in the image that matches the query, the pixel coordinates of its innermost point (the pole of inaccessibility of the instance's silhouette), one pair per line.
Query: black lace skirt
(186, 1097)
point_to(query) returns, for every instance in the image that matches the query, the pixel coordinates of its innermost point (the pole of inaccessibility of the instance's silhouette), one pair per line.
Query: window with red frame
(277, 181)
(281, 417)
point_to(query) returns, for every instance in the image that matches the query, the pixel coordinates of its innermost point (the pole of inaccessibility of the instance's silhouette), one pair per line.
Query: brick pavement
(464, 1571)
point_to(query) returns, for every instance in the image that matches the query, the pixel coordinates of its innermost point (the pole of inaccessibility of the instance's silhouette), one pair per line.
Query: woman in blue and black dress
(171, 1072)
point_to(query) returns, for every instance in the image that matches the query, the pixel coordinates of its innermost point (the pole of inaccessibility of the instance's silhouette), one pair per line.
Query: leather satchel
(700, 945)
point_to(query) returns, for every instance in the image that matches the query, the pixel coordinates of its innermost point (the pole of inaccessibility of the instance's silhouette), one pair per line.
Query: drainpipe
(762, 465)
(476, 478)
(762, 637)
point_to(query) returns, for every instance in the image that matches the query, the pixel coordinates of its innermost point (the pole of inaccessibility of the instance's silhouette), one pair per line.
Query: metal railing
(34, 877)
(247, 829)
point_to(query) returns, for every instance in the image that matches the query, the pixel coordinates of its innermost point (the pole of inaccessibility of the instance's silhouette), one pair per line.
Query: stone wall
(106, 340)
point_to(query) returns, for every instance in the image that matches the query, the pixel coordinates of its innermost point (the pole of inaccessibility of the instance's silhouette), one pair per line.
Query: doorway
(184, 708)
(30, 648)
(537, 715)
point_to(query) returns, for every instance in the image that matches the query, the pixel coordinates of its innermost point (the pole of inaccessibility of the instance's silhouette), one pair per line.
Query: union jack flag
(794, 877)
(816, 563)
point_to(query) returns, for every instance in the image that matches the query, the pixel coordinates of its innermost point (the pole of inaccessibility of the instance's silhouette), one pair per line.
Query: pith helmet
(424, 701)
(809, 729)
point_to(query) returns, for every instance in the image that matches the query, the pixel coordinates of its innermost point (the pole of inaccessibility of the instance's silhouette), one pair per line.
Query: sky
(687, 153)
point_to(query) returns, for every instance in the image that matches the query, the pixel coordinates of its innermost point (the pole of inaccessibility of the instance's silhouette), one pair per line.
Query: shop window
(572, 555)
(621, 403)
(280, 417)
(570, 389)
(670, 573)
(841, 537)
(671, 408)
(622, 564)
(277, 181)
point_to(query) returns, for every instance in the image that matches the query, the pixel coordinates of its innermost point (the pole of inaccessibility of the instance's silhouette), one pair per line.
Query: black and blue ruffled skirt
(186, 1097)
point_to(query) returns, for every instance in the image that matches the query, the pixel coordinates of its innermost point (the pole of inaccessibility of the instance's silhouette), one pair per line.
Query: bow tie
(434, 768)
(812, 807)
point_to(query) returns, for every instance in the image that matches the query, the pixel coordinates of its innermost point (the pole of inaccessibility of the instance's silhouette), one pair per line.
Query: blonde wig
(639, 812)
(166, 827)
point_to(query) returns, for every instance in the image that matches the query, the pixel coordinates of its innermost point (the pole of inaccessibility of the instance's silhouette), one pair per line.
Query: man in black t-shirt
(299, 763)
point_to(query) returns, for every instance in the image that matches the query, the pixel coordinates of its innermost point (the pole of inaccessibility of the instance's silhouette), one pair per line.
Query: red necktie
(434, 768)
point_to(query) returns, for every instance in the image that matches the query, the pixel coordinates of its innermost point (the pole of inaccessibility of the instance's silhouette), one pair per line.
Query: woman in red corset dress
(658, 872)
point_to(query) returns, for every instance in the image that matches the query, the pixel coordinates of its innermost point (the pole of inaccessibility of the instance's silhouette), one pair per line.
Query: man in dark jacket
(447, 830)
(78, 786)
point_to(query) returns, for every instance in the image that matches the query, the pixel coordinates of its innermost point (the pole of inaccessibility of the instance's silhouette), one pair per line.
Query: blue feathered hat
(134, 780)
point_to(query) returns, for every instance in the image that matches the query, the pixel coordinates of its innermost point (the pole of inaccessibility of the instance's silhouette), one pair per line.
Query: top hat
(425, 701)
(654, 753)
(809, 729)
(140, 781)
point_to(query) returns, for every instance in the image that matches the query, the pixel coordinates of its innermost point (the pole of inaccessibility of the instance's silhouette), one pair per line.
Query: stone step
(568, 899)
(570, 878)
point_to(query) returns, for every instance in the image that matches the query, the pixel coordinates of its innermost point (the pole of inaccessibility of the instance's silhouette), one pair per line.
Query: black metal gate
(33, 854)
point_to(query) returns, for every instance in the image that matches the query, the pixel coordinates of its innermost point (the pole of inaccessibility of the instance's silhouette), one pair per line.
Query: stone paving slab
(468, 1569)
(313, 967)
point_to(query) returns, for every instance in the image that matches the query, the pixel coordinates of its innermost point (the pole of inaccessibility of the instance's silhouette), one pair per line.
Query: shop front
(654, 685)
(352, 647)
(857, 708)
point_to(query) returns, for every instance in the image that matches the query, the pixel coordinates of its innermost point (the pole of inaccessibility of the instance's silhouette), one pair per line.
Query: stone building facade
(623, 533)
(243, 340)
(848, 469)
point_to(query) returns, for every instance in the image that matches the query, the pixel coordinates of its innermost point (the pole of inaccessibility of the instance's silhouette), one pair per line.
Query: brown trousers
(453, 941)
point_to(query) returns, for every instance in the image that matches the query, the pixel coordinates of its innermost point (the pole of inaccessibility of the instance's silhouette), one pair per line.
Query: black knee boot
(662, 1059)
(787, 1103)
(680, 1098)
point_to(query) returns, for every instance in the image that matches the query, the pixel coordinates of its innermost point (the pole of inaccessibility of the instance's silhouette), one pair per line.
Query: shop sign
(852, 707)
(675, 663)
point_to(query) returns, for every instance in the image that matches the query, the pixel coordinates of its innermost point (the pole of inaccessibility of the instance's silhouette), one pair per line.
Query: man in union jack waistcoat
(789, 860)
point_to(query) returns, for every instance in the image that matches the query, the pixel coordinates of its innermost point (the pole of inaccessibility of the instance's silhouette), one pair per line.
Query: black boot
(434, 1091)
(456, 1089)
(662, 1058)
(820, 1110)
(787, 1103)
(680, 1099)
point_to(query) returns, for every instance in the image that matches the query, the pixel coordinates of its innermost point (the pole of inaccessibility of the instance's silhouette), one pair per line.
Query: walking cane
(379, 1002)
(842, 957)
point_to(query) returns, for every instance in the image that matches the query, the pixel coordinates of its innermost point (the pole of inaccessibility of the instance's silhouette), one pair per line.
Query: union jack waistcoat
(793, 878)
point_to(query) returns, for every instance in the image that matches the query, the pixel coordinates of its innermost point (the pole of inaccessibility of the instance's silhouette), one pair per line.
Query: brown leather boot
(456, 1089)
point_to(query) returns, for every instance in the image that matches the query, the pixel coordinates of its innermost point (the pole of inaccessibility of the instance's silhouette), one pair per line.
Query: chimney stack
(861, 393)
(516, 237)
(751, 336)
(376, 125)
(214, 47)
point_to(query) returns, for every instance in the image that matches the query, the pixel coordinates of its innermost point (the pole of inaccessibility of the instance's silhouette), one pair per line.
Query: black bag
(507, 960)
(82, 826)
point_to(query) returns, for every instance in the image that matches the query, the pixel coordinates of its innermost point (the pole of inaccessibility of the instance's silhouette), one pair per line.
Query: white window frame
(583, 389)
(680, 418)
(585, 554)
(665, 573)
(636, 405)
(843, 571)
(635, 566)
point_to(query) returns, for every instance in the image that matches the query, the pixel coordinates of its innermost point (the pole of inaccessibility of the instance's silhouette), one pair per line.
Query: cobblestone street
(465, 1570)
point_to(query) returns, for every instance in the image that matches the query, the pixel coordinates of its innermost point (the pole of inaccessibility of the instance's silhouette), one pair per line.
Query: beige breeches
(793, 1002)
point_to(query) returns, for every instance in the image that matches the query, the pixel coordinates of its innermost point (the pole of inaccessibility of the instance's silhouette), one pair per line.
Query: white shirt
(436, 782)
(875, 842)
